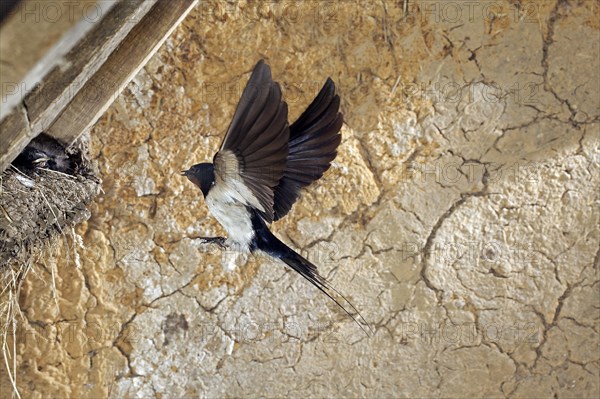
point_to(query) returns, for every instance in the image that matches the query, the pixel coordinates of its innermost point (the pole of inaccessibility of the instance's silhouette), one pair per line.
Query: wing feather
(314, 139)
(257, 138)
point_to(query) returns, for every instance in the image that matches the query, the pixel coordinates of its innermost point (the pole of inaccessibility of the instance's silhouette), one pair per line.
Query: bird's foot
(220, 241)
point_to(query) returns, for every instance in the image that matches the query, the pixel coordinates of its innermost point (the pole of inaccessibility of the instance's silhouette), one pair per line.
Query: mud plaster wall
(461, 215)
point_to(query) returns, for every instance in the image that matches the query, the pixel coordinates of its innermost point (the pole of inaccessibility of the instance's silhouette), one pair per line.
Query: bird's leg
(220, 241)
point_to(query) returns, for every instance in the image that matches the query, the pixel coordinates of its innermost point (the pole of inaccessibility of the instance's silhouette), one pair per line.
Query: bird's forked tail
(267, 242)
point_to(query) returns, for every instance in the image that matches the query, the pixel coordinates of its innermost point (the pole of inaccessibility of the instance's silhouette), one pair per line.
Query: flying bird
(261, 166)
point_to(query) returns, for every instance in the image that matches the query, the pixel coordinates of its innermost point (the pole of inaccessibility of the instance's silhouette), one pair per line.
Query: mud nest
(41, 199)
(36, 208)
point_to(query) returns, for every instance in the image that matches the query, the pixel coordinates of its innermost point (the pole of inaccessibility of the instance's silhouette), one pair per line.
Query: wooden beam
(123, 64)
(61, 85)
(39, 108)
(14, 136)
(35, 37)
(34, 111)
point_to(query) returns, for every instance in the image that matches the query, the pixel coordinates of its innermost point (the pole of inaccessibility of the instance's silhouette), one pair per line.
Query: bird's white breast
(232, 215)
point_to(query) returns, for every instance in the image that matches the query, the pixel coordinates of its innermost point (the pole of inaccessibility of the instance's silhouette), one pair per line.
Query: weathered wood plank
(36, 35)
(123, 64)
(61, 85)
(14, 136)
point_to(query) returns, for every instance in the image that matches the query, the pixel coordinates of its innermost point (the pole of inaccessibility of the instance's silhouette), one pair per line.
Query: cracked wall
(461, 215)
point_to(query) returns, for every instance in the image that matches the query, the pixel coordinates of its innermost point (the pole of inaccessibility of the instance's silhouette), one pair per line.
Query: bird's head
(202, 175)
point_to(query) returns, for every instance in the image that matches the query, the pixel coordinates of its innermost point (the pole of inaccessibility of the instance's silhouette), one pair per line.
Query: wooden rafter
(99, 67)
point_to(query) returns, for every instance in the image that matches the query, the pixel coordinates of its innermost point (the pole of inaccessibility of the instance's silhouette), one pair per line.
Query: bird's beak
(184, 172)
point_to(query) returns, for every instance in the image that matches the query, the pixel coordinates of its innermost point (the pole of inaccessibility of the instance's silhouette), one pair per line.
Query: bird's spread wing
(252, 157)
(313, 145)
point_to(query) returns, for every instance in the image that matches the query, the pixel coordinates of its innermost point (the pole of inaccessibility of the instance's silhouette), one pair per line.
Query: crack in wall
(426, 212)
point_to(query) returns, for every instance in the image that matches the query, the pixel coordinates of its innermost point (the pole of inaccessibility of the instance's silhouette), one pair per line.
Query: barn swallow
(44, 152)
(261, 166)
